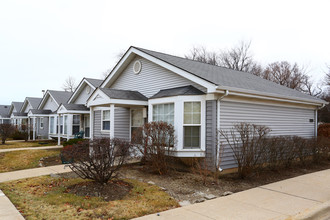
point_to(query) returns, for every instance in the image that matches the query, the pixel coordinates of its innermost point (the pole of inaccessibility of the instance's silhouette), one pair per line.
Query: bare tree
(5, 131)
(327, 77)
(202, 55)
(70, 84)
(117, 57)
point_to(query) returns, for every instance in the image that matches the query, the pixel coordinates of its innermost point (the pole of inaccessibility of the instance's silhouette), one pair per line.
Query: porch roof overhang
(105, 97)
(39, 113)
(72, 109)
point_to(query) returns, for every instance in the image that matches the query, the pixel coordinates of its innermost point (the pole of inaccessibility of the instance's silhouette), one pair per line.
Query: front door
(86, 125)
(137, 120)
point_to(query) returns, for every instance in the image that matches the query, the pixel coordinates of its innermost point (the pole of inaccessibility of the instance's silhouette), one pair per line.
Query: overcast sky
(44, 42)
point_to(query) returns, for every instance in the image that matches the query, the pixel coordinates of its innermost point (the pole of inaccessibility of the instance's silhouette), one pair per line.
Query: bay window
(192, 125)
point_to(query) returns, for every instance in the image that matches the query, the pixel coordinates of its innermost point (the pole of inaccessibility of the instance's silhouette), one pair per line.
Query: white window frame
(41, 123)
(192, 125)
(76, 124)
(105, 120)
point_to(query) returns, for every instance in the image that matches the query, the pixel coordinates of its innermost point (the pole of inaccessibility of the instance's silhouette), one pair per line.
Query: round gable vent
(137, 67)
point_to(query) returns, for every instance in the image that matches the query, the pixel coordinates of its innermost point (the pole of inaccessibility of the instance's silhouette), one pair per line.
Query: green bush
(72, 141)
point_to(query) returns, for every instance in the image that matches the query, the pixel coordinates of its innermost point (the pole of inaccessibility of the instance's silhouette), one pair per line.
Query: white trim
(105, 120)
(91, 123)
(78, 90)
(112, 121)
(269, 96)
(42, 103)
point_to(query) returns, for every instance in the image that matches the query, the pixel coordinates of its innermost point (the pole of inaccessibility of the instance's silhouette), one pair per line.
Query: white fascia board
(128, 102)
(25, 103)
(268, 96)
(211, 87)
(78, 89)
(98, 98)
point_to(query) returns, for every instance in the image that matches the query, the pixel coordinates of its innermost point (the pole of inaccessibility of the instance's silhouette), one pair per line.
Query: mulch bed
(113, 190)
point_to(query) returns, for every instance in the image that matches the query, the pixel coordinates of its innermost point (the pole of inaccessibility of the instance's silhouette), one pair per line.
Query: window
(51, 125)
(41, 123)
(86, 123)
(192, 124)
(137, 121)
(163, 112)
(75, 124)
(65, 124)
(106, 120)
(61, 124)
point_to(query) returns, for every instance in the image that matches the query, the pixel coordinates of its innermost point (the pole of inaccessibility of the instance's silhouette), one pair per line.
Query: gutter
(218, 127)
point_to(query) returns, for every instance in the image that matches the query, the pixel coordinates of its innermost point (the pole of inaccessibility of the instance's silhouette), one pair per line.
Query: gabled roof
(123, 94)
(94, 83)
(225, 77)
(75, 107)
(34, 102)
(58, 96)
(17, 105)
(4, 111)
(214, 78)
(184, 90)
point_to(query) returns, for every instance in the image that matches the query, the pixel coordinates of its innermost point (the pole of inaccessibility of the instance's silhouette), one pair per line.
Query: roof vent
(137, 67)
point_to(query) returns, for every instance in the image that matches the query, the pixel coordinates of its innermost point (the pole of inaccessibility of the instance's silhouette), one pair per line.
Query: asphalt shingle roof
(34, 101)
(124, 94)
(222, 76)
(17, 105)
(184, 90)
(95, 82)
(41, 111)
(4, 111)
(19, 114)
(60, 96)
(76, 107)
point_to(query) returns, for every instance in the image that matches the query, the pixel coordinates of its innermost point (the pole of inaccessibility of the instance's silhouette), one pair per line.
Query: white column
(59, 130)
(91, 123)
(29, 127)
(34, 128)
(69, 122)
(112, 121)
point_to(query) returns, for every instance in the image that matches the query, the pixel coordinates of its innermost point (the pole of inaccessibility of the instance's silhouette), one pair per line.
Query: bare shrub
(99, 159)
(247, 141)
(6, 130)
(199, 167)
(155, 141)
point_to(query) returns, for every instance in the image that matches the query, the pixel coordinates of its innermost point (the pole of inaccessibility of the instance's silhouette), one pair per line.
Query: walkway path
(30, 148)
(300, 195)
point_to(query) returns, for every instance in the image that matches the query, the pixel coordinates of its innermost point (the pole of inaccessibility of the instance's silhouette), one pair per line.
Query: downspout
(218, 127)
(316, 121)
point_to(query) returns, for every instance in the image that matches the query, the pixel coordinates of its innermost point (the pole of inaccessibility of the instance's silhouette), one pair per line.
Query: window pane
(192, 113)
(106, 125)
(137, 117)
(163, 112)
(76, 119)
(196, 118)
(106, 115)
(75, 129)
(191, 137)
(196, 107)
(188, 107)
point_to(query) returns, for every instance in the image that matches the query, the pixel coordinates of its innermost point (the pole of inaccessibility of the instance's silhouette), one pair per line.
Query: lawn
(45, 197)
(24, 159)
(22, 144)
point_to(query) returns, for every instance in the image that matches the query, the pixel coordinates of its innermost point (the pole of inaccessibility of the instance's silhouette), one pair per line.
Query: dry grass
(46, 197)
(24, 159)
(23, 144)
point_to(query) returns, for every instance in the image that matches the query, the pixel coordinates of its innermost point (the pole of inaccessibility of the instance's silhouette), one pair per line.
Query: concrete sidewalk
(280, 200)
(7, 209)
(31, 148)
(21, 174)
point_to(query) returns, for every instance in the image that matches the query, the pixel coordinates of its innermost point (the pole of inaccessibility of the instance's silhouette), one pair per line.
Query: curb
(321, 211)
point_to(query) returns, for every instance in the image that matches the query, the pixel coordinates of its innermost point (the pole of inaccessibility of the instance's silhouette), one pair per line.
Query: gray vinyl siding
(281, 121)
(83, 95)
(211, 134)
(122, 123)
(151, 79)
(43, 133)
(97, 126)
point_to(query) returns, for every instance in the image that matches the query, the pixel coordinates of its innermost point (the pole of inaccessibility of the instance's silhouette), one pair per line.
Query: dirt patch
(113, 190)
(184, 185)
